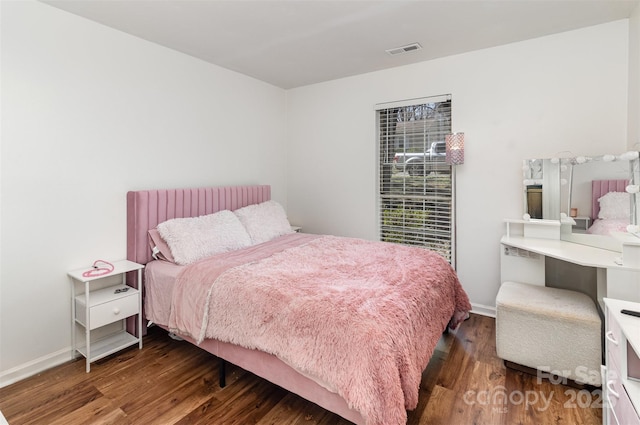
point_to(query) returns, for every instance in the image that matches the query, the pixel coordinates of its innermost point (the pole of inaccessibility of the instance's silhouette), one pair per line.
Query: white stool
(553, 330)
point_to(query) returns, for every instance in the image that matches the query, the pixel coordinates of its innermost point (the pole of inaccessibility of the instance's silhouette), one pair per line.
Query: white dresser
(621, 374)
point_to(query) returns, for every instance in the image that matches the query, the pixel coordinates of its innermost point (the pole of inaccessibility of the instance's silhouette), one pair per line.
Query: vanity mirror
(570, 190)
(541, 181)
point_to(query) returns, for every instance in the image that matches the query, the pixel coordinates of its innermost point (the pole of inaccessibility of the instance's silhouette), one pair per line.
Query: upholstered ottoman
(553, 330)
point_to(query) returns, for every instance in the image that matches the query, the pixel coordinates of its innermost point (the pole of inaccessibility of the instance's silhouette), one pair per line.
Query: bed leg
(222, 374)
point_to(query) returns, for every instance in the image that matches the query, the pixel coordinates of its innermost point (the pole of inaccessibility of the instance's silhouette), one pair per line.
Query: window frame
(428, 209)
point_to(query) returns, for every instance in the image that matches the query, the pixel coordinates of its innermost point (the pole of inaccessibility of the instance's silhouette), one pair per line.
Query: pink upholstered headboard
(147, 208)
(600, 188)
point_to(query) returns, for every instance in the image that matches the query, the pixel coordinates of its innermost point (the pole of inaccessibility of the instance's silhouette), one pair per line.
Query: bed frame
(600, 188)
(147, 208)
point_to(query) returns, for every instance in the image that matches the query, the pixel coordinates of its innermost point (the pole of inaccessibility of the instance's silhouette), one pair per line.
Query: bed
(302, 339)
(610, 207)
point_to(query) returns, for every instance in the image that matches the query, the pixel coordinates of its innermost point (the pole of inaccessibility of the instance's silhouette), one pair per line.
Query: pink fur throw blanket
(360, 317)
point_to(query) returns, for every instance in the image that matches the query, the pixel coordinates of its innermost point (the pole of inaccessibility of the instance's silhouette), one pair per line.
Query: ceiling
(295, 43)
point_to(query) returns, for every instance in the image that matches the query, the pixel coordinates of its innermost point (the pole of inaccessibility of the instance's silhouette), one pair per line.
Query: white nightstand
(105, 307)
(582, 223)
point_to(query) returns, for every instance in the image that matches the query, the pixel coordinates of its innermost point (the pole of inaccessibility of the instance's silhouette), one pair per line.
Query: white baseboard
(3, 421)
(484, 310)
(34, 367)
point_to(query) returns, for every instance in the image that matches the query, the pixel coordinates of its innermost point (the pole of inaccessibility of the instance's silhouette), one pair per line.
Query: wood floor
(171, 382)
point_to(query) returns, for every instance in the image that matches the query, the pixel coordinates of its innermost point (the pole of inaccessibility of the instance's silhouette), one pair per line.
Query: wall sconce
(455, 149)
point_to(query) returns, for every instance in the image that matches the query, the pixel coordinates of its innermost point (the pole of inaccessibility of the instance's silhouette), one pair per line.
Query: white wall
(89, 113)
(634, 83)
(566, 92)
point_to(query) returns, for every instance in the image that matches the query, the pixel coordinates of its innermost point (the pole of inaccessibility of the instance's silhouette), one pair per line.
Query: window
(415, 182)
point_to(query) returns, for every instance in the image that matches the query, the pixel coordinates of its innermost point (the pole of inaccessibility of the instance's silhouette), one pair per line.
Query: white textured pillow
(192, 239)
(614, 205)
(264, 221)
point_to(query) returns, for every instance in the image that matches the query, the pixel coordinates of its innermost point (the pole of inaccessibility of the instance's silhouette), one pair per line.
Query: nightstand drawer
(108, 312)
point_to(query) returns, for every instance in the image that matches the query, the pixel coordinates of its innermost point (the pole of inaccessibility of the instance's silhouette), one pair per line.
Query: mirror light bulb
(630, 156)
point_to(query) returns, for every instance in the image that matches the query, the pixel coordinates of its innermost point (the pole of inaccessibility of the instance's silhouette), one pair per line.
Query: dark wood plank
(173, 382)
(47, 404)
(294, 410)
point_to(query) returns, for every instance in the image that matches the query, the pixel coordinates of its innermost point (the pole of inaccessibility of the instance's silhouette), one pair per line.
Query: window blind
(416, 190)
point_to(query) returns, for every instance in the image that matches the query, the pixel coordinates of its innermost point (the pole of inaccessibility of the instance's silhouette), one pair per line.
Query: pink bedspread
(361, 317)
(608, 226)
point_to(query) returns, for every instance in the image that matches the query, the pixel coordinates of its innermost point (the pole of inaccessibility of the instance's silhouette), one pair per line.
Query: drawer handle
(116, 311)
(611, 390)
(611, 338)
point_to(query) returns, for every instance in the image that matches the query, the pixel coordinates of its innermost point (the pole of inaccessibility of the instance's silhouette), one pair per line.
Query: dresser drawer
(623, 410)
(613, 337)
(617, 397)
(607, 409)
(108, 311)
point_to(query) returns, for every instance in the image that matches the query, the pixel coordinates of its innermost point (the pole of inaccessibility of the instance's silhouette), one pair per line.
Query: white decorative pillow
(614, 205)
(192, 239)
(264, 221)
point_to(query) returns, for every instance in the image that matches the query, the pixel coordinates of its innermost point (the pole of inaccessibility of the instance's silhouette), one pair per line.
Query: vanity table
(522, 259)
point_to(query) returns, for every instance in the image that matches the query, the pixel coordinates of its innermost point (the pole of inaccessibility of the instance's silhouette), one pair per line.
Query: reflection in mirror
(541, 181)
(600, 197)
(578, 201)
(561, 189)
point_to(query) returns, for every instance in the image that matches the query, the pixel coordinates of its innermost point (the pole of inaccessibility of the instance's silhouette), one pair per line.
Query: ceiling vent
(404, 49)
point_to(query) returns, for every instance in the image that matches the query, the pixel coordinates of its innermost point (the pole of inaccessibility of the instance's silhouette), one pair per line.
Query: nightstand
(99, 306)
(582, 223)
